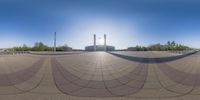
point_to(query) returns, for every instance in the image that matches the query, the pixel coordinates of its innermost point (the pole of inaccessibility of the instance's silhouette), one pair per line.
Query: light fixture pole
(95, 47)
(54, 42)
(105, 48)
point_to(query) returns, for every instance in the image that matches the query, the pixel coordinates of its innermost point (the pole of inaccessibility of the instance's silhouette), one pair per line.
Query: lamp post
(95, 47)
(54, 42)
(105, 49)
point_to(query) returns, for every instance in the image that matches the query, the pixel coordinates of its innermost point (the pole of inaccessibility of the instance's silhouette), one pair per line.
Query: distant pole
(95, 48)
(54, 42)
(105, 42)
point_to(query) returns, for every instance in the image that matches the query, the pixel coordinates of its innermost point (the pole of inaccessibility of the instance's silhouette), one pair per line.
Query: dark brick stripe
(70, 84)
(20, 76)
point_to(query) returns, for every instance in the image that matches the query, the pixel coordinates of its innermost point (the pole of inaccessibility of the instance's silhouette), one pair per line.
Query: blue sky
(126, 22)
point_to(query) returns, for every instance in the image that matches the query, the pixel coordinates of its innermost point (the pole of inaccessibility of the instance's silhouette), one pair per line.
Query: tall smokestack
(54, 42)
(95, 42)
(105, 42)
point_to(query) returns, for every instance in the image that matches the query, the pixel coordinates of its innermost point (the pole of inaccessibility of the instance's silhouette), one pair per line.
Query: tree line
(39, 46)
(169, 46)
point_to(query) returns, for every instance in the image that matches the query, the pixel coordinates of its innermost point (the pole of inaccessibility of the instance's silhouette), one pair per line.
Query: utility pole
(105, 47)
(54, 42)
(95, 47)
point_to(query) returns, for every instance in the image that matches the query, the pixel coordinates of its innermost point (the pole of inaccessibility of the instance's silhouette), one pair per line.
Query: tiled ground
(100, 76)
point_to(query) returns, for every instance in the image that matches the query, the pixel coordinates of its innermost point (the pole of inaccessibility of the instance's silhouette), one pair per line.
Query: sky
(125, 22)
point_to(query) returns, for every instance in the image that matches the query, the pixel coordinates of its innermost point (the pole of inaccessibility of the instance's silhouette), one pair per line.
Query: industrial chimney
(105, 42)
(95, 42)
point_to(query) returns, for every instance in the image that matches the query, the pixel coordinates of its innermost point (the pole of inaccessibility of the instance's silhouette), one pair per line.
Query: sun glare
(100, 41)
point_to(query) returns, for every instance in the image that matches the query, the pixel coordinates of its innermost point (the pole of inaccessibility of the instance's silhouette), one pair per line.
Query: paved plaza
(120, 75)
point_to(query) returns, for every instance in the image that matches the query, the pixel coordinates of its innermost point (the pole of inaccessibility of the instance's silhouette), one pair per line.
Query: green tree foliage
(169, 46)
(64, 48)
(156, 47)
(39, 46)
(23, 48)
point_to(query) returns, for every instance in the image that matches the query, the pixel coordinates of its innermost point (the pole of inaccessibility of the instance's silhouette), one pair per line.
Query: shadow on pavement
(152, 60)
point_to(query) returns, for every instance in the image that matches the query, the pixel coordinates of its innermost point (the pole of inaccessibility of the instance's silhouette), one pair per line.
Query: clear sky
(126, 22)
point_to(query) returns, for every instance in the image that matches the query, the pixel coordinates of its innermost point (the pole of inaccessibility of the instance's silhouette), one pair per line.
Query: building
(99, 48)
(95, 47)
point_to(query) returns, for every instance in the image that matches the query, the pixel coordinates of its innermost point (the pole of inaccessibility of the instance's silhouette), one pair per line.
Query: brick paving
(100, 76)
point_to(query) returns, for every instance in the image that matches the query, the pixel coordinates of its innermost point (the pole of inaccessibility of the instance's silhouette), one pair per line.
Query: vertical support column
(54, 42)
(95, 48)
(105, 49)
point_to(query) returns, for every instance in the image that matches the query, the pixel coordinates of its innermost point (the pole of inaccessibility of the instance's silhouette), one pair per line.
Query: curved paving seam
(152, 60)
(37, 63)
(81, 87)
(37, 85)
(133, 73)
(60, 69)
(24, 74)
(55, 75)
(87, 87)
(167, 89)
(126, 83)
(179, 76)
(164, 66)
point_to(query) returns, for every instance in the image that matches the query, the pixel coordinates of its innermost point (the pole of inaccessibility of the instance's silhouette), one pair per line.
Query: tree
(25, 48)
(168, 43)
(131, 49)
(64, 48)
(39, 46)
(173, 44)
(156, 47)
(159, 47)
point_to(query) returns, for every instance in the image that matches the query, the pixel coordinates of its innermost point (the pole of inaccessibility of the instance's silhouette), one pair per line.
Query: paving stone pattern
(100, 76)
